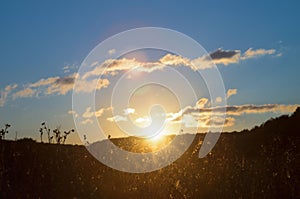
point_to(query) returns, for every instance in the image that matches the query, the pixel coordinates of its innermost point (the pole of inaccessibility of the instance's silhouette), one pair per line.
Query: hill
(259, 163)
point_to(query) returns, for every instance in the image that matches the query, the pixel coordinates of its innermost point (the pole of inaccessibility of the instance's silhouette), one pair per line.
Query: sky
(255, 47)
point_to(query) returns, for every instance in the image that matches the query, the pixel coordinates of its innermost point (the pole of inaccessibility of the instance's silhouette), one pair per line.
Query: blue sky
(38, 39)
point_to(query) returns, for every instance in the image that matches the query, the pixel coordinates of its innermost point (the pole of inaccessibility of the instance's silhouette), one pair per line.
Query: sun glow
(157, 137)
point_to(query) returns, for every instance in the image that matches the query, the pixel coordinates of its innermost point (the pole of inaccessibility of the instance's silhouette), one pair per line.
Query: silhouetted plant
(66, 133)
(57, 135)
(85, 140)
(45, 128)
(61, 139)
(41, 134)
(4, 131)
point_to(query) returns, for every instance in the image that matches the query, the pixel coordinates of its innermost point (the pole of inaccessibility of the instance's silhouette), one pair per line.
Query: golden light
(157, 138)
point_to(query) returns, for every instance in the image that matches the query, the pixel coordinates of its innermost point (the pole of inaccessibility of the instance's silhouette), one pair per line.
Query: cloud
(61, 86)
(87, 86)
(219, 122)
(101, 111)
(129, 111)
(112, 51)
(143, 121)
(175, 60)
(220, 56)
(87, 121)
(202, 102)
(231, 92)
(225, 57)
(191, 121)
(4, 93)
(117, 118)
(72, 112)
(88, 113)
(238, 110)
(52, 85)
(89, 81)
(257, 109)
(219, 99)
(27, 92)
(250, 53)
(200, 116)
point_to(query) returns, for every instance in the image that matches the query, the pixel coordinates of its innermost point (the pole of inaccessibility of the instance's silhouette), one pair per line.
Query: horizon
(87, 143)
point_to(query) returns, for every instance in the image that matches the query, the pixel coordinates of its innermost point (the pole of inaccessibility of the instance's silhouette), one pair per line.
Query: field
(259, 163)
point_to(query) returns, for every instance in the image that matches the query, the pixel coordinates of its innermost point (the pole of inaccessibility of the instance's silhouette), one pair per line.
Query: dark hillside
(259, 163)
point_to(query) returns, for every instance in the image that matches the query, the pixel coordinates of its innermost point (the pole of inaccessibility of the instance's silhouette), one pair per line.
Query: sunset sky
(254, 44)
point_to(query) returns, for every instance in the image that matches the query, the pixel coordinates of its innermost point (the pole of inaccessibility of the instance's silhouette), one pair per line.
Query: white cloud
(129, 111)
(143, 121)
(72, 112)
(117, 118)
(88, 113)
(87, 121)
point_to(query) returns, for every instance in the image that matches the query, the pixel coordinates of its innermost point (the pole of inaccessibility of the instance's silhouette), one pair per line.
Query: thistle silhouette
(45, 128)
(57, 135)
(4, 131)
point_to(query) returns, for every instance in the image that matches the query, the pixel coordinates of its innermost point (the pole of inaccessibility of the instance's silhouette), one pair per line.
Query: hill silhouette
(259, 163)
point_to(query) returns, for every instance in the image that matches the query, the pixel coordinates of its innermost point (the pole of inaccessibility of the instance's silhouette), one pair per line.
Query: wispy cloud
(250, 53)
(201, 116)
(88, 113)
(72, 112)
(87, 121)
(201, 102)
(204, 121)
(27, 92)
(238, 110)
(220, 56)
(60, 86)
(5, 92)
(231, 92)
(117, 118)
(89, 81)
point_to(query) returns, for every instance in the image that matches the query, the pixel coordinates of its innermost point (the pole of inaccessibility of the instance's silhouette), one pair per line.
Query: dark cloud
(221, 54)
(65, 80)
